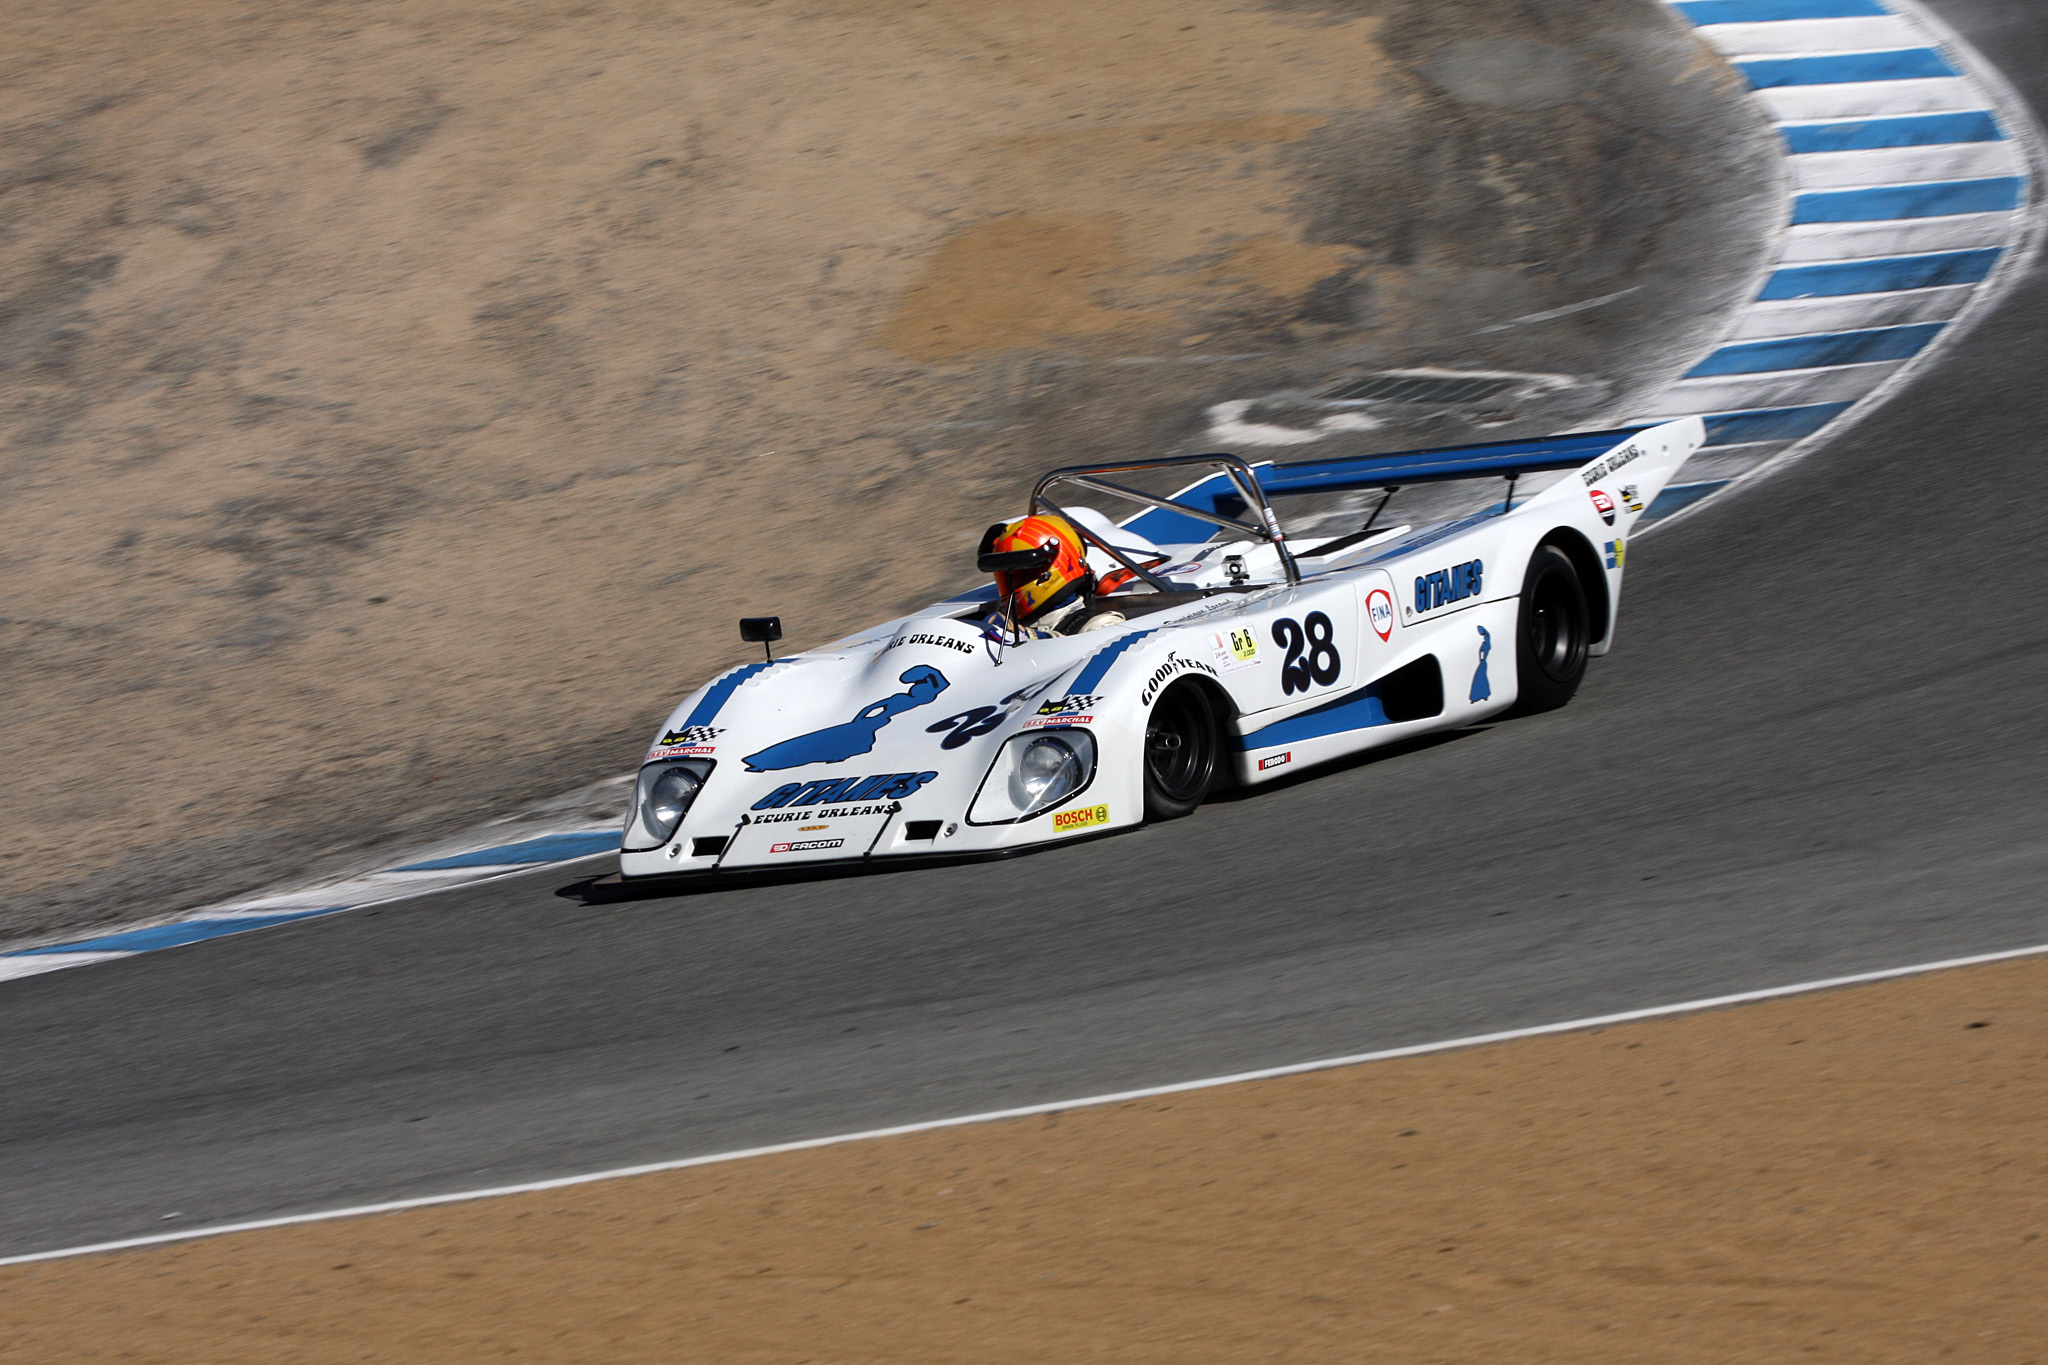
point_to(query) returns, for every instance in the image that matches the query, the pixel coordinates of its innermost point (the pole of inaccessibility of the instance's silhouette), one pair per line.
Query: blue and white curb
(1911, 201)
(1909, 167)
(539, 839)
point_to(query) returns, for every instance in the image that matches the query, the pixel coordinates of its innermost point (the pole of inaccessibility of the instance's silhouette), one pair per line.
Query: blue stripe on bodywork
(723, 689)
(1933, 199)
(1820, 349)
(1355, 711)
(1883, 275)
(1771, 424)
(1846, 68)
(1770, 11)
(1908, 130)
(546, 849)
(1099, 665)
(172, 935)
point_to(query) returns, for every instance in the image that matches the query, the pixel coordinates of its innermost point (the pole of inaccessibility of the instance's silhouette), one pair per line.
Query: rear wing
(1219, 495)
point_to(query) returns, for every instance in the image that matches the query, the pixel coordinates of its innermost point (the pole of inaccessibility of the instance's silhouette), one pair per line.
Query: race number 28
(1312, 658)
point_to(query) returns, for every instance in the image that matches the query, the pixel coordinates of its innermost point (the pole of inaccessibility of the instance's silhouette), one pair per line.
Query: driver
(1055, 600)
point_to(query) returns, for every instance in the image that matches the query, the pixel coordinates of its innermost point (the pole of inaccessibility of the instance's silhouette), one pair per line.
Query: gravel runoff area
(398, 401)
(1852, 1176)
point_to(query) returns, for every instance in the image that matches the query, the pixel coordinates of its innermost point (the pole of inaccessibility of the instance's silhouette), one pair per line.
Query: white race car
(1241, 657)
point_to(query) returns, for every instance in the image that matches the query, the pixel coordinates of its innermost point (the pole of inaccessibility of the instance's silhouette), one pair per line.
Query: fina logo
(1446, 586)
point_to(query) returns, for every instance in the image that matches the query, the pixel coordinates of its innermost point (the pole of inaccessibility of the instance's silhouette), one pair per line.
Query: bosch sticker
(1081, 817)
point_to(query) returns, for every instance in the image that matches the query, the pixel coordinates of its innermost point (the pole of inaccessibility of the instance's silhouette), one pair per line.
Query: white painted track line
(1051, 1107)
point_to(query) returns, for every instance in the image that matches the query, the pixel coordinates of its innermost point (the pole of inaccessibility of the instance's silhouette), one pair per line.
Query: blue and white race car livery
(1229, 654)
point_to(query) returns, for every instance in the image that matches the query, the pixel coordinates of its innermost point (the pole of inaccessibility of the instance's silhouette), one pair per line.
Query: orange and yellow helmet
(1061, 560)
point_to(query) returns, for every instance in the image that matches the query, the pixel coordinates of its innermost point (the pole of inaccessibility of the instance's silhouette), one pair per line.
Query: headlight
(1032, 774)
(661, 800)
(1047, 770)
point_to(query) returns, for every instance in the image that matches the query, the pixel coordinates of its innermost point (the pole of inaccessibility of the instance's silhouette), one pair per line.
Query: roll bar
(1239, 473)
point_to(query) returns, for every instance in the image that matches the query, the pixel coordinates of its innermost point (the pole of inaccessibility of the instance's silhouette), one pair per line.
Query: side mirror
(762, 631)
(1033, 561)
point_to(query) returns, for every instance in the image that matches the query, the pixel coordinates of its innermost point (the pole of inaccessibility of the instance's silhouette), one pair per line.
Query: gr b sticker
(1312, 658)
(1081, 817)
(1234, 649)
(1446, 586)
(1379, 609)
(838, 790)
(1603, 504)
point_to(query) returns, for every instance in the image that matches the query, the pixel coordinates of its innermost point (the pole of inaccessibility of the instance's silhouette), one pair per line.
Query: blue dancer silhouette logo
(1481, 689)
(837, 743)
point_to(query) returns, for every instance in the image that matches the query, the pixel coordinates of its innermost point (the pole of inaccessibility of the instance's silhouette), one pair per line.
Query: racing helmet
(1039, 563)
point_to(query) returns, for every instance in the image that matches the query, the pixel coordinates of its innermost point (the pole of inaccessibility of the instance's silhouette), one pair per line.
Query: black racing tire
(1182, 751)
(1553, 634)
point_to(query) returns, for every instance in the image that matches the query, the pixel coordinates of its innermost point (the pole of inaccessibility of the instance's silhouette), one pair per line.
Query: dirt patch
(399, 400)
(1854, 1176)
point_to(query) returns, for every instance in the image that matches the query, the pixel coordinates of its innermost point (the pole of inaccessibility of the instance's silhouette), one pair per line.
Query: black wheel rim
(1557, 626)
(1179, 746)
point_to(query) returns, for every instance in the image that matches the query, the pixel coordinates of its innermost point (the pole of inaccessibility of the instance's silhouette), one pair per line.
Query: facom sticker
(1081, 817)
(1379, 609)
(806, 846)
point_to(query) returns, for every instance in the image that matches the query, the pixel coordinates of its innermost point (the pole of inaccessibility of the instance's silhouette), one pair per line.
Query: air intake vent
(1417, 388)
(921, 829)
(704, 848)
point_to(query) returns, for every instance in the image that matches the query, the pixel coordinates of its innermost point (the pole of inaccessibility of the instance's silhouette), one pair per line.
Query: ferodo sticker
(1081, 817)
(1276, 761)
(1379, 609)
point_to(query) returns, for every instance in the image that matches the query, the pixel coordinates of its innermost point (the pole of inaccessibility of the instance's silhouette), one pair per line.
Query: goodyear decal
(1446, 586)
(1173, 666)
(1081, 817)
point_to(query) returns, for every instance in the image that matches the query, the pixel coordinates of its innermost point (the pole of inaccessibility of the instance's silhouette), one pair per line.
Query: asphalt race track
(1818, 748)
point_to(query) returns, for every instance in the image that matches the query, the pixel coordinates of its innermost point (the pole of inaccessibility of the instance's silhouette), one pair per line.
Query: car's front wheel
(1553, 634)
(1182, 752)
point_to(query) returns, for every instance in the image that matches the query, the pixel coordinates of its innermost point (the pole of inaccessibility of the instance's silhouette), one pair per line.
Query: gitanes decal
(1603, 504)
(1379, 609)
(1600, 469)
(836, 790)
(1173, 666)
(1446, 586)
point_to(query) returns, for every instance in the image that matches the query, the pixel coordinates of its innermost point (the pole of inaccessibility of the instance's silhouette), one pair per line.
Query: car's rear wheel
(1553, 634)
(1181, 751)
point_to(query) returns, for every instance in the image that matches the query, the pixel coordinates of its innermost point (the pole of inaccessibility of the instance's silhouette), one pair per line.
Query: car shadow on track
(609, 889)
